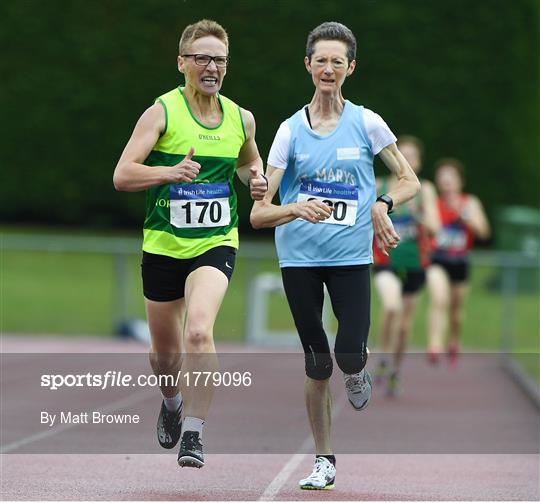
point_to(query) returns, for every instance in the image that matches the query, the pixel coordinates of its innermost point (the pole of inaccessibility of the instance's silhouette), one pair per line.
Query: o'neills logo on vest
(209, 137)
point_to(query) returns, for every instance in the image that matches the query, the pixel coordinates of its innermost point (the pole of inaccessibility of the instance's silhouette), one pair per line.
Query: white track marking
(281, 478)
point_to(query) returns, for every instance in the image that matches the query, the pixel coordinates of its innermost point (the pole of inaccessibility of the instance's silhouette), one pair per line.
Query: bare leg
(457, 296)
(166, 320)
(409, 304)
(439, 292)
(319, 408)
(389, 289)
(205, 289)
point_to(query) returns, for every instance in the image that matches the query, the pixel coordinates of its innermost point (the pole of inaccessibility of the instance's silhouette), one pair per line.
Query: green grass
(75, 293)
(529, 363)
(56, 292)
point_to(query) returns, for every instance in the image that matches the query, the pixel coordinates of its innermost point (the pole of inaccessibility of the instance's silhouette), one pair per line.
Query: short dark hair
(332, 30)
(454, 163)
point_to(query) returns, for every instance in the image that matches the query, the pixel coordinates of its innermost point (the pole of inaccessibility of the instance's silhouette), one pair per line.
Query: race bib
(341, 197)
(200, 205)
(406, 228)
(452, 238)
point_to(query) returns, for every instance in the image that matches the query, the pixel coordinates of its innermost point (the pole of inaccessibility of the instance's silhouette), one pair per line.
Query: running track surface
(274, 477)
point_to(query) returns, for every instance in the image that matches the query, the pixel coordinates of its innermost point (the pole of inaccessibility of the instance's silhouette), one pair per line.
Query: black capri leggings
(350, 294)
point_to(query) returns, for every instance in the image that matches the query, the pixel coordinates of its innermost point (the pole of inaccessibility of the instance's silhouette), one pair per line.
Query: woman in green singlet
(400, 275)
(185, 152)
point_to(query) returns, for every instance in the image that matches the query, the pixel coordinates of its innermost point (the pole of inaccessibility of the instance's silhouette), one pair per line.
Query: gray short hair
(332, 30)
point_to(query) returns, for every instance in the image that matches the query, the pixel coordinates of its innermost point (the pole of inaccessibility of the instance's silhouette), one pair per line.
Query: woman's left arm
(250, 165)
(407, 187)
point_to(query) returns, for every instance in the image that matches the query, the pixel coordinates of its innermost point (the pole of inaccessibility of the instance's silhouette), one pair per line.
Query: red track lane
(360, 477)
(402, 477)
(274, 477)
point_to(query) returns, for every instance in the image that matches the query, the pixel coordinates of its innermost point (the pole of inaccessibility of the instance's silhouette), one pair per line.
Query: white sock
(173, 402)
(193, 424)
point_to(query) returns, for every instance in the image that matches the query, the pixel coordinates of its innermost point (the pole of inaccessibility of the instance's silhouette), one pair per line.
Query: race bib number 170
(200, 205)
(341, 197)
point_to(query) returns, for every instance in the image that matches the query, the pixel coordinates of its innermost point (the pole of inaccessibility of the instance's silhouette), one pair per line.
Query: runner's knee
(351, 344)
(319, 366)
(351, 363)
(351, 348)
(198, 338)
(440, 301)
(392, 309)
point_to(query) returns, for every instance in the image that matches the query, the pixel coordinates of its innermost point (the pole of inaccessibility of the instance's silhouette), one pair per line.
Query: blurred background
(463, 76)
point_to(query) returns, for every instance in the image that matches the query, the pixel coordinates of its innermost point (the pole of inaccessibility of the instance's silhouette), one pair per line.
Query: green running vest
(186, 220)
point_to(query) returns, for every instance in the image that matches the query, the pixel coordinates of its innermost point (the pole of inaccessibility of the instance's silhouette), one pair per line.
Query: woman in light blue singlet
(322, 163)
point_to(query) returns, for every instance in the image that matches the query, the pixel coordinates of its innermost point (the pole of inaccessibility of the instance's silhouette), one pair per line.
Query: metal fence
(510, 267)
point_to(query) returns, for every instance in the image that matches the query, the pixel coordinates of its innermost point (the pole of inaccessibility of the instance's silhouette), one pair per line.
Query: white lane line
(281, 478)
(107, 409)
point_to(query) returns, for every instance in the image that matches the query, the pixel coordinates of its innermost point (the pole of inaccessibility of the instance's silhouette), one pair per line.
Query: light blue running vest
(337, 168)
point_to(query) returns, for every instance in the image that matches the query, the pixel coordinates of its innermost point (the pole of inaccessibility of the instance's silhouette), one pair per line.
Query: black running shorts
(458, 272)
(411, 279)
(164, 278)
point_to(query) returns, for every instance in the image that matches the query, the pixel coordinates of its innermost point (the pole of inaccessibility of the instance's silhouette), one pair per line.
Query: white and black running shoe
(191, 453)
(322, 477)
(169, 426)
(358, 388)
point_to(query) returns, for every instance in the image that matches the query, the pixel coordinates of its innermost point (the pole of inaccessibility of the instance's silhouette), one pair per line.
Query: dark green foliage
(76, 75)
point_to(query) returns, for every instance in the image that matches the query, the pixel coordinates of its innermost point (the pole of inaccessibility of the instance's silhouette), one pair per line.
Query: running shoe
(358, 388)
(393, 388)
(380, 372)
(169, 426)
(191, 453)
(322, 477)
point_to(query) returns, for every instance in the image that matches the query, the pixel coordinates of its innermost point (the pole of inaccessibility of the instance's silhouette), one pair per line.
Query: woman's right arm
(266, 214)
(131, 175)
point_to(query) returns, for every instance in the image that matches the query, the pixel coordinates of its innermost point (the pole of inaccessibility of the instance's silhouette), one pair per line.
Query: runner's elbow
(120, 181)
(435, 229)
(118, 184)
(257, 217)
(256, 220)
(484, 233)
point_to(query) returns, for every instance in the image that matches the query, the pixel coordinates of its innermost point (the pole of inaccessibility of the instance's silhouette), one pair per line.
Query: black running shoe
(191, 453)
(169, 426)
